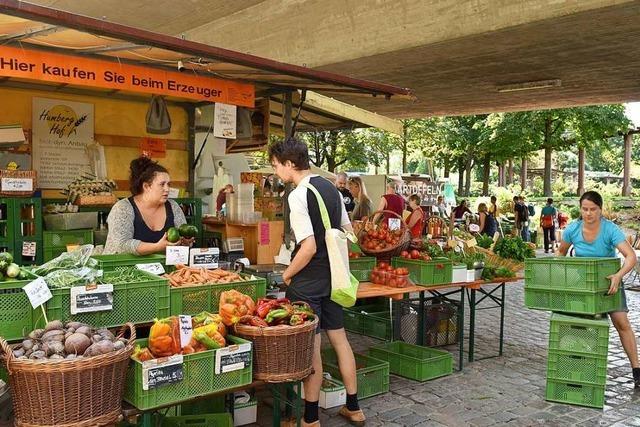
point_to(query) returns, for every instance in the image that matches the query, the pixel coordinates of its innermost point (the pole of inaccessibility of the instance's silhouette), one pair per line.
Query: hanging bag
(158, 120)
(344, 286)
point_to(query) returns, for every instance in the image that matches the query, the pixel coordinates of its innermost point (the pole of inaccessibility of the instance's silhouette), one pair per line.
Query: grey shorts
(624, 308)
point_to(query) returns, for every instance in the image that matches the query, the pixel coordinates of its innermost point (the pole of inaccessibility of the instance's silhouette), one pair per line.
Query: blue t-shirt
(548, 210)
(604, 245)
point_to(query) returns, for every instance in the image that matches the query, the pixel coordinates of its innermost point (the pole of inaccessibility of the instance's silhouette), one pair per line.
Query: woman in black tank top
(139, 223)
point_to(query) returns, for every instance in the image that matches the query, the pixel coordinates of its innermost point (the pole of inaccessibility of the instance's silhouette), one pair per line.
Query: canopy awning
(26, 25)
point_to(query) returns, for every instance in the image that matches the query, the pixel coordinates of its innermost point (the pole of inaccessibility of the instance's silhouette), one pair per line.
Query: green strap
(323, 208)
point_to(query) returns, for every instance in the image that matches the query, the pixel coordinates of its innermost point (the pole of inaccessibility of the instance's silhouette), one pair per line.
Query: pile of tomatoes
(384, 274)
(354, 255)
(415, 254)
(379, 237)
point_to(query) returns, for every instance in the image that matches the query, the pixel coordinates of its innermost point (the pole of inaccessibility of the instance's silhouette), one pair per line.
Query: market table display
(445, 291)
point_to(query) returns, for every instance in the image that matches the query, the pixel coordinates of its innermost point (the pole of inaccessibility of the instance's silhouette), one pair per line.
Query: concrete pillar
(626, 181)
(523, 174)
(580, 170)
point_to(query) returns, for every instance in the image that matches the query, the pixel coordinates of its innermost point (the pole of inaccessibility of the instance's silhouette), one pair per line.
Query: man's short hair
(290, 149)
(342, 175)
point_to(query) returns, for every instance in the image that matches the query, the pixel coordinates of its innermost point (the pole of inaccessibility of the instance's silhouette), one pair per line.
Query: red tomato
(415, 254)
(404, 254)
(384, 226)
(370, 233)
(403, 271)
(392, 283)
(426, 258)
(382, 265)
(401, 282)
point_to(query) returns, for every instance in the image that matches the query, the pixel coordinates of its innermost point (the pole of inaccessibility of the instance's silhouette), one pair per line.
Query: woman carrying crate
(595, 236)
(138, 225)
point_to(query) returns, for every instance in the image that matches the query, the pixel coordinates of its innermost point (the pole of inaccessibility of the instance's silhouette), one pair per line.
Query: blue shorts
(623, 308)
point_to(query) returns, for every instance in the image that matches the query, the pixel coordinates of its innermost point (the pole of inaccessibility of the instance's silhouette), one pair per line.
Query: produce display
(490, 272)
(355, 255)
(89, 185)
(513, 248)
(385, 274)
(10, 270)
(378, 237)
(189, 276)
(275, 312)
(416, 254)
(74, 340)
(185, 230)
(462, 235)
(484, 241)
(208, 333)
(234, 305)
(432, 248)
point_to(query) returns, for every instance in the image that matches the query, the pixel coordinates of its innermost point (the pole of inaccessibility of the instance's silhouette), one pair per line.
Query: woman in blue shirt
(595, 236)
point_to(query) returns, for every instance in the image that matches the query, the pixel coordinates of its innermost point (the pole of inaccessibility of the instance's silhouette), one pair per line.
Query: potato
(71, 356)
(38, 355)
(106, 334)
(96, 338)
(84, 330)
(118, 345)
(18, 352)
(71, 330)
(27, 344)
(53, 347)
(53, 335)
(56, 357)
(101, 347)
(77, 343)
(53, 325)
(36, 334)
(74, 325)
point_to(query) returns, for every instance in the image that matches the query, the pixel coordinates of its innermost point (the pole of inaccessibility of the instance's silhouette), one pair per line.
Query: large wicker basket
(281, 353)
(389, 252)
(68, 393)
(25, 174)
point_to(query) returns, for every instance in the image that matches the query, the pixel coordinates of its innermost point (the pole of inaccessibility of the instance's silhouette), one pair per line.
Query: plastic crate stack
(576, 290)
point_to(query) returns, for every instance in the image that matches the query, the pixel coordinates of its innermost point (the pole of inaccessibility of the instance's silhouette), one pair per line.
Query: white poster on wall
(61, 132)
(224, 121)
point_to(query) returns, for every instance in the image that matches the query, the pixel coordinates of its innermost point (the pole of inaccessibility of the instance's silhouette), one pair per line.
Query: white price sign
(177, 255)
(151, 267)
(186, 330)
(17, 184)
(29, 249)
(394, 224)
(38, 292)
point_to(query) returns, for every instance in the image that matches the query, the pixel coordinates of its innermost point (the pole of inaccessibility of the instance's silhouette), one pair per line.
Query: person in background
(493, 207)
(595, 236)
(548, 218)
(363, 206)
(488, 223)
(521, 214)
(308, 277)
(459, 211)
(347, 197)
(415, 221)
(222, 196)
(441, 207)
(138, 225)
(390, 201)
(526, 213)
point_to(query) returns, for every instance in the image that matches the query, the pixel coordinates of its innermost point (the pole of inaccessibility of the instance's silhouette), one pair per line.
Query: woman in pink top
(390, 201)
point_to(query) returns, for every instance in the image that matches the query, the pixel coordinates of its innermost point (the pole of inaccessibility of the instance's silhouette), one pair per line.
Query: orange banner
(75, 70)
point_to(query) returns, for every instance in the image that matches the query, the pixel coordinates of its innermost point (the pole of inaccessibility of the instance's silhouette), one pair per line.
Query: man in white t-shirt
(308, 277)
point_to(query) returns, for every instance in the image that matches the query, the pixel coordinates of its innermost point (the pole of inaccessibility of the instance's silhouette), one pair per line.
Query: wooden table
(444, 291)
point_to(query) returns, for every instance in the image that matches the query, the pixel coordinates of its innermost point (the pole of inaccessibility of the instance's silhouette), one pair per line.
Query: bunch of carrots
(189, 276)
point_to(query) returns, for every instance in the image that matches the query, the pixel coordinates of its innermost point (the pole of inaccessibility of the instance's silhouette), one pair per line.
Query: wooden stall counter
(262, 240)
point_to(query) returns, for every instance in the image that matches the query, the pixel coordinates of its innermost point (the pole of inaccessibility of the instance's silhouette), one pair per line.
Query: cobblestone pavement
(502, 391)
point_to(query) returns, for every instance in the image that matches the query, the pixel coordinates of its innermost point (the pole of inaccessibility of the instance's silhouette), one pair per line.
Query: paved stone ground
(507, 390)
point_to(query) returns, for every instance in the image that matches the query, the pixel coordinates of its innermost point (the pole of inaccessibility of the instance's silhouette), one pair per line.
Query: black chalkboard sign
(233, 358)
(205, 259)
(102, 300)
(162, 375)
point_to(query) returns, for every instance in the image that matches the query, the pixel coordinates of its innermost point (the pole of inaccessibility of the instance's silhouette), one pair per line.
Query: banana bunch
(88, 185)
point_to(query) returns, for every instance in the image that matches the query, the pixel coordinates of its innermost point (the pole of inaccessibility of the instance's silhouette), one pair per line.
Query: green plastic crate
(140, 301)
(199, 380)
(579, 336)
(362, 275)
(425, 273)
(567, 366)
(55, 242)
(16, 313)
(111, 262)
(364, 321)
(361, 267)
(372, 374)
(569, 273)
(205, 420)
(413, 361)
(578, 302)
(575, 393)
(196, 299)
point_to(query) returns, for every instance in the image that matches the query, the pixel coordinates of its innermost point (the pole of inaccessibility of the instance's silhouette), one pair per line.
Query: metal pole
(287, 124)
(191, 146)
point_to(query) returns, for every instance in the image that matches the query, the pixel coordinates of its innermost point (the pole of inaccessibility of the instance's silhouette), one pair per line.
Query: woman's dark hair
(142, 170)
(415, 198)
(549, 201)
(592, 196)
(290, 149)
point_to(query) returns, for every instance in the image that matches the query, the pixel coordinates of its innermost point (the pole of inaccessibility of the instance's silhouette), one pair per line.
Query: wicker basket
(109, 200)
(68, 393)
(281, 353)
(26, 174)
(389, 252)
(498, 261)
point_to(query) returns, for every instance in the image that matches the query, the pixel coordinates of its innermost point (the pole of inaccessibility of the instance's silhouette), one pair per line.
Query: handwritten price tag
(186, 330)
(394, 224)
(152, 267)
(17, 184)
(177, 255)
(29, 249)
(38, 292)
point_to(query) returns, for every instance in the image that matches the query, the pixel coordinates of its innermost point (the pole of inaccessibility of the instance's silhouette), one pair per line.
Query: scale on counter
(273, 275)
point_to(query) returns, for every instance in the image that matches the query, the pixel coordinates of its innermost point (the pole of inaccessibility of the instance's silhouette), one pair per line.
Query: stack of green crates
(361, 267)
(575, 289)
